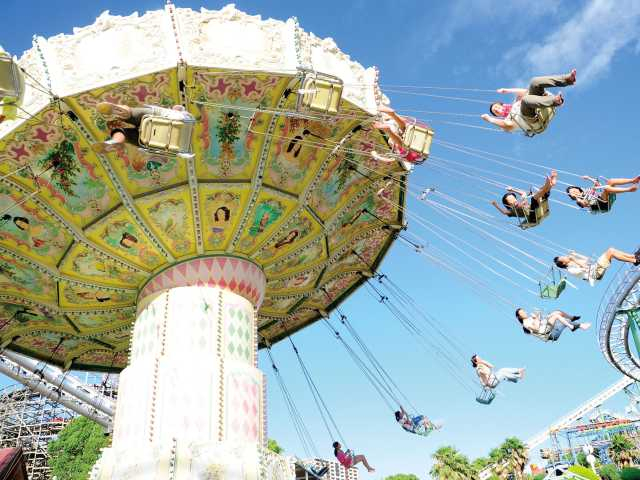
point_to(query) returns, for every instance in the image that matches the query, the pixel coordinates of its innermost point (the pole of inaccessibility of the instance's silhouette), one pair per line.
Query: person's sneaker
(120, 111)
(637, 255)
(585, 326)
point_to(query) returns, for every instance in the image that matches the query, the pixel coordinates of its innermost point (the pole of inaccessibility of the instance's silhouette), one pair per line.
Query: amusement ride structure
(619, 322)
(174, 268)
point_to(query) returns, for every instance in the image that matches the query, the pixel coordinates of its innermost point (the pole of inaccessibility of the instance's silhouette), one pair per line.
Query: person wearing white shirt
(549, 328)
(489, 379)
(580, 266)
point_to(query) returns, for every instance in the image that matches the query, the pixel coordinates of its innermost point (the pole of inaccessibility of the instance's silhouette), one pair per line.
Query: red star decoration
(20, 152)
(250, 88)
(142, 93)
(41, 135)
(221, 86)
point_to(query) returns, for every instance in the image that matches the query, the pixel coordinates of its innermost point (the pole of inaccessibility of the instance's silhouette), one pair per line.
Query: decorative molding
(237, 275)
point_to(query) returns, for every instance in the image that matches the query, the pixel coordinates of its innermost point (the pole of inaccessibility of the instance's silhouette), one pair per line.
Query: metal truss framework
(31, 421)
(615, 323)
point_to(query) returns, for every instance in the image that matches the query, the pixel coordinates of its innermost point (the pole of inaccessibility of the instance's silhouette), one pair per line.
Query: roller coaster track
(623, 293)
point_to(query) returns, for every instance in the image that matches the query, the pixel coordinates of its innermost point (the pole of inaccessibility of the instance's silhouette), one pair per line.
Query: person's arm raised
(499, 208)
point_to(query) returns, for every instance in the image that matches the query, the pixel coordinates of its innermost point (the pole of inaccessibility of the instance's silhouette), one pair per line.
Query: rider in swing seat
(532, 109)
(550, 327)
(348, 459)
(527, 211)
(599, 198)
(134, 117)
(489, 379)
(418, 424)
(394, 127)
(580, 266)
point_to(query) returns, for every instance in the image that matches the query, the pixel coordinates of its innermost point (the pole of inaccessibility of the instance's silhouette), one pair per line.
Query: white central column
(190, 403)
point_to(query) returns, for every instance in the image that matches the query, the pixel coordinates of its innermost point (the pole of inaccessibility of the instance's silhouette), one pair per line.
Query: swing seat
(165, 136)
(313, 471)
(486, 396)
(418, 138)
(535, 126)
(597, 210)
(11, 86)
(553, 290)
(541, 213)
(321, 93)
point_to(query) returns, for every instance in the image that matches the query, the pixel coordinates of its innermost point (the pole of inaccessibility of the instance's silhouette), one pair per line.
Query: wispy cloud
(462, 14)
(589, 40)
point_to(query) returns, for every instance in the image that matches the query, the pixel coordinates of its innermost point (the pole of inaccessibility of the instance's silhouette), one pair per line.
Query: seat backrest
(418, 139)
(11, 80)
(553, 290)
(321, 93)
(172, 136)
(541, 213)
(537, 125)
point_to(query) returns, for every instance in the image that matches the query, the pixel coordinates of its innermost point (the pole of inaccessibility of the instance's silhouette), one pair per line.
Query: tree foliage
(273, 446)
(402, 476)
(622, 450)
(450, 464)
(76, 449)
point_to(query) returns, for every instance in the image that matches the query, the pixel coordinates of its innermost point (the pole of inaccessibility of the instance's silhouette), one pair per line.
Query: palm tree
(510, 458)
(622, 450)
(449, 464)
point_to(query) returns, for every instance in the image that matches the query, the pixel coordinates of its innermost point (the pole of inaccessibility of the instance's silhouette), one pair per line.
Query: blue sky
(477, 45)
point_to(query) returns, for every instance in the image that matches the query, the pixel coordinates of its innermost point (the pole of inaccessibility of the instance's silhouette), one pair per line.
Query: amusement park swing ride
(251, 203)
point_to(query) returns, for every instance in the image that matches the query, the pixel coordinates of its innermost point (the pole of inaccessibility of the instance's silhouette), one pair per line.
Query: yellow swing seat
(166, 136)
(418, 138)
(538, 124)
(541, 212)
(11, 86)
(320, 93)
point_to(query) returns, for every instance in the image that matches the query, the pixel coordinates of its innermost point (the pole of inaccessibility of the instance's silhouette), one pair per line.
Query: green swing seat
(553, 290)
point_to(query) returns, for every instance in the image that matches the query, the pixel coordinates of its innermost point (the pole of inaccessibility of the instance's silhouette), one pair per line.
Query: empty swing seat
(321, 93)
(11, 86)
(553, 290)
(418, 138)
(540, 213)
(164, 135)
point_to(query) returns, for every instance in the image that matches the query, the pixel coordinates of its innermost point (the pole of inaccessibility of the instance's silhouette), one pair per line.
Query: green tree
(581, 459)
(622, 450)
(76, 449)
(510, 458)
(402, 476)
(273, 446)
(450, 464)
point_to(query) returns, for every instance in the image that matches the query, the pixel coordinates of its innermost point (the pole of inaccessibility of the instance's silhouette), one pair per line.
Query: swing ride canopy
(82, 234)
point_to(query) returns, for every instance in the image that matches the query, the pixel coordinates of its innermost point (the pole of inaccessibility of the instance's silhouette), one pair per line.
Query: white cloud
(588, 41)
(462, 14)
